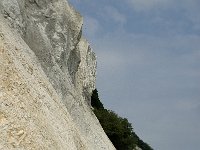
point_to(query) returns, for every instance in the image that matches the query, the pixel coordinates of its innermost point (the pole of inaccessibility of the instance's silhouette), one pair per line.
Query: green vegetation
(95, 102)
(118, 129)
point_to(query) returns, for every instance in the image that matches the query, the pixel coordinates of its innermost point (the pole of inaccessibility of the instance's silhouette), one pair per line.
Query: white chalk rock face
(47, 74)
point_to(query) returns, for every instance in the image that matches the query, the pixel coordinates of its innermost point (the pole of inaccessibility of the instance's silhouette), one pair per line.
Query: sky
(148, 54)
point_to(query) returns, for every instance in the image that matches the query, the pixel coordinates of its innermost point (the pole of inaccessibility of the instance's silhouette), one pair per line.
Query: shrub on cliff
(118, 129)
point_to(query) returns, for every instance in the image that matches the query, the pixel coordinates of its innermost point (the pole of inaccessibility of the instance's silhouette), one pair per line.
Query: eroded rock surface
(47, 74)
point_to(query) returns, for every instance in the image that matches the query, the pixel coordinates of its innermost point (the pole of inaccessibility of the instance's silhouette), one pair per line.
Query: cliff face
(47, 74)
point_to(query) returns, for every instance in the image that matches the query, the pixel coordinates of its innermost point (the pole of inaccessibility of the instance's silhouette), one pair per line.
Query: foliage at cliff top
(118, 129)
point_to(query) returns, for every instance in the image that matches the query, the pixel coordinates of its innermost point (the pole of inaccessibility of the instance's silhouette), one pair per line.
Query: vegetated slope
(118, 129)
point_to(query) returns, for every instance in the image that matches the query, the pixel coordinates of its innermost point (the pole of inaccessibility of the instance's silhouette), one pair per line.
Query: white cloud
(190, 8)
(91, 25)
(192, 12)
(145, 5)
(188, 105)
(115, 15)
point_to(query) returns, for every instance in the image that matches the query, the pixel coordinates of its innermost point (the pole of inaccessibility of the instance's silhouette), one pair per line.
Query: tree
(95, 102)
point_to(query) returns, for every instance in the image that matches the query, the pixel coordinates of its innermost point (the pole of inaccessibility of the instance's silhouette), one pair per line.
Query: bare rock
(47, 74)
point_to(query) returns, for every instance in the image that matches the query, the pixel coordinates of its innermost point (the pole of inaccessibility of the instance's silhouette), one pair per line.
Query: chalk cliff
(47, 74)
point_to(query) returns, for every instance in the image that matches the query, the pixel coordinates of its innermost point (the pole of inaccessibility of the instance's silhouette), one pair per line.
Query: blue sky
(148, 65)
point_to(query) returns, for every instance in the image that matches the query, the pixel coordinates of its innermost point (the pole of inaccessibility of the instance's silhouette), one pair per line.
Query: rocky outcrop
(47, 74)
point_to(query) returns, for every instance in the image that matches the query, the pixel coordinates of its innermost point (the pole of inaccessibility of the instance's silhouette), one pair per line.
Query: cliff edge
(47, 75)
